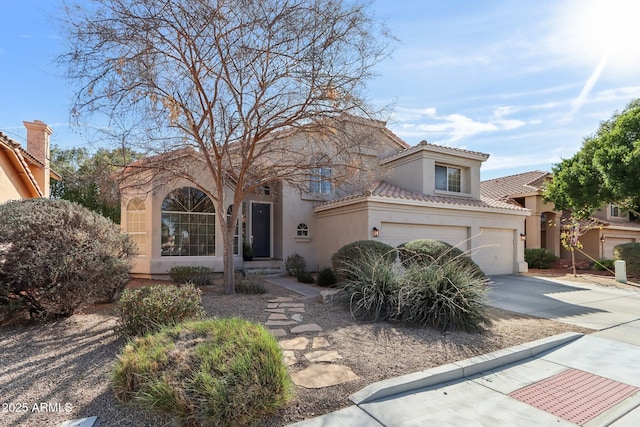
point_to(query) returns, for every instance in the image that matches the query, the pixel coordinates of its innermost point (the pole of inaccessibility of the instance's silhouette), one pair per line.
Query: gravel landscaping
(59, 371)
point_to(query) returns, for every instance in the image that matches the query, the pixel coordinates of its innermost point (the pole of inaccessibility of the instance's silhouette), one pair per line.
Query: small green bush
(603, 265)
(56, 256)
(295, 264)
(371, 285)
(346, 256)
(198, 275)
(148, 309)
(446, 296)
(326, 277)
(305, 277)
(221, 372)
(443, 293)
(251, 284)
(539, 257)
(630, 253)
(427, 251)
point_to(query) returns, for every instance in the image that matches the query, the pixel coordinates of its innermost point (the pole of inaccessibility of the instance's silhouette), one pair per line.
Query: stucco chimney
(38, 134)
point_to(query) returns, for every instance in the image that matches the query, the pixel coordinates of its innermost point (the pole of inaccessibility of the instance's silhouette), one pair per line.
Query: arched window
(302, 230)
(137, 224)
(320, 175)
(188, 223)
(236, 235)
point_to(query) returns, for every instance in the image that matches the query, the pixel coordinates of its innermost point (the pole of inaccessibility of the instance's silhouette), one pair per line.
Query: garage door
(394, 233)
(494, 251)
(612, 242)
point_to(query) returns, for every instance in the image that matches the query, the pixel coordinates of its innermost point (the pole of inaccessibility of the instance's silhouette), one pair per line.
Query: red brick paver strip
(575, 395)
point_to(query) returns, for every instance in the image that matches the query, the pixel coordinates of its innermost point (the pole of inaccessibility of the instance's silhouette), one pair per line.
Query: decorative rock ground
(322, 372)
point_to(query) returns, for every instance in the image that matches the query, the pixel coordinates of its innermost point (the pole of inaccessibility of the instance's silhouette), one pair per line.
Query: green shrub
(427, 251)
(222, 372)
(349, 254)
(305, 277)
(371, 285)
(326, 277)
(443, 293)
(539, 257)
(295, 264)
(198, 275)
(252, 284)
(630, 253)
(56, 255)
(446, 296)
(604, 265)
(148, 309)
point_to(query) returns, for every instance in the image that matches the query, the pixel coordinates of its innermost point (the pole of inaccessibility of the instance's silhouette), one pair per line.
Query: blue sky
(524, 81)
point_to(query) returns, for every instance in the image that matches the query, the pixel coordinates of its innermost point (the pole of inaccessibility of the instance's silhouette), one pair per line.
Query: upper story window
(616, 212)
(188, 225)
(448, 179)
(302, 230)
(137, 224)
(320, 176)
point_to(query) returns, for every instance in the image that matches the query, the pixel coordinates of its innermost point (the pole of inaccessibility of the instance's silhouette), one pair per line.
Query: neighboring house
(426, 191)
(26, 174)
(542, 230)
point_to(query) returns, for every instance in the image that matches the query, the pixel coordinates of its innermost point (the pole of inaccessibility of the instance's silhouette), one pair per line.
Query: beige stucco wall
(342, 225)
(12, 186)
(151, 263)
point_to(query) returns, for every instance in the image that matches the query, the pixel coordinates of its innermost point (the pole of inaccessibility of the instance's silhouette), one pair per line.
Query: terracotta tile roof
(427, 145)
(506, 187)
(386, 190)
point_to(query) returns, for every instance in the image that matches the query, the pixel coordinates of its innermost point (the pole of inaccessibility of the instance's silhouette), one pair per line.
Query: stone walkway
(303, 343)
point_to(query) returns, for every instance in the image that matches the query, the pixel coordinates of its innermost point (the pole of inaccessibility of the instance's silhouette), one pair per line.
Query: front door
(261, 229)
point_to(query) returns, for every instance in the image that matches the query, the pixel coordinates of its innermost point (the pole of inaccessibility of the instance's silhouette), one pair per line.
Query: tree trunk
(227, 261)
(573, 262)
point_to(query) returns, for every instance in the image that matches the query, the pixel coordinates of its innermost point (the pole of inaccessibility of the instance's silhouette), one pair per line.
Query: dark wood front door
(261, 229)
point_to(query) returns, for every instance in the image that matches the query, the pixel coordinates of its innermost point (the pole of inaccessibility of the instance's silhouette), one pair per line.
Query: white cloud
(450, 128)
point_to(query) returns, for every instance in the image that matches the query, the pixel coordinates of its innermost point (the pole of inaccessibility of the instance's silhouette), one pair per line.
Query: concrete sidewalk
(569, 379)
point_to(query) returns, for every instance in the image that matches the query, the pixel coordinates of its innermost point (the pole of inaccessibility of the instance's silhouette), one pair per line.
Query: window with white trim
(448, 179)
(302, 230)
(137, 224)
(188, 226)
(616, 212)
(320, 176)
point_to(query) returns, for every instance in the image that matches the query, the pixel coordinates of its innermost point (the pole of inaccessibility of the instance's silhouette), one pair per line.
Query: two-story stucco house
(25, 174)
(426, 191)
(616, 226)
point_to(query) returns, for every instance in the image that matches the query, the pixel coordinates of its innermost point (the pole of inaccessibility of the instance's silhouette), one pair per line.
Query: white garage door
(494, 251)
(395, 234)
(612, 242)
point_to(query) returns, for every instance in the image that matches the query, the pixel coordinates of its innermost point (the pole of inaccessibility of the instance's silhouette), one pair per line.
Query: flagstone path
(303, 343)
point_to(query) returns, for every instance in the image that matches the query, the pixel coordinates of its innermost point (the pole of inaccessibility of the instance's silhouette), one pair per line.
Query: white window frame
(450, 171)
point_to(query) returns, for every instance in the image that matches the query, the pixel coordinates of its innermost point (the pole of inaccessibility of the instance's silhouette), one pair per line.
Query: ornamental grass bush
(218, 372)
(56, 255)
(443, 292)
(427, 251)
(630, 253)
(198, 275)
(539, 257)
(250, 284)
(146, 310)
(352, 252)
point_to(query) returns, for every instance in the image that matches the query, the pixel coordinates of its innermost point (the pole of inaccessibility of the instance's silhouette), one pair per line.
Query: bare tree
(223, 81)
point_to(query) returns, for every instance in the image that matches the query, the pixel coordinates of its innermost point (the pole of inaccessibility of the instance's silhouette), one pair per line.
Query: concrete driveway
(613, 312)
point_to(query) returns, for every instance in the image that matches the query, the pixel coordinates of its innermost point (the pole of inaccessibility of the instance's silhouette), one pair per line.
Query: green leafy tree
(215, 82)
(88, 179)
(605, 170)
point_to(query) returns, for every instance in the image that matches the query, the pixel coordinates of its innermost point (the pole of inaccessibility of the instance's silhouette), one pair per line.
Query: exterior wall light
(523, 237)
(602, 239)
(375, 232)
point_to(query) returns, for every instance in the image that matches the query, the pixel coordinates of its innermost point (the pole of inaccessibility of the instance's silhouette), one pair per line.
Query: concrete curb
(462, 369)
